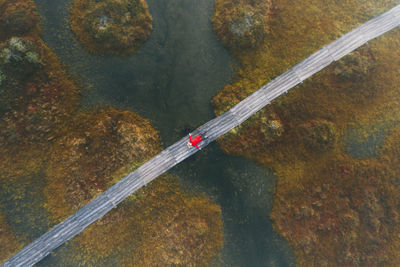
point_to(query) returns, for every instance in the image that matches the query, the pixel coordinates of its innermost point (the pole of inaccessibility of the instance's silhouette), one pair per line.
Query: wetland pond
(171, 81)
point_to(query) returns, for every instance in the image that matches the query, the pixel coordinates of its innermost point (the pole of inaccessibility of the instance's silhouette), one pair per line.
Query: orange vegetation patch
(176, 228)
(96, 146)
(332, 209)
(343, 212)
(18, 18)
(161, 225)
(243, 24)
(111, 26)
(36, 96)
(35, 93)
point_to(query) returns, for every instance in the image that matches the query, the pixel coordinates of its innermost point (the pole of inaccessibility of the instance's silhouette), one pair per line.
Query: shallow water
(171, 81)
(370, 146)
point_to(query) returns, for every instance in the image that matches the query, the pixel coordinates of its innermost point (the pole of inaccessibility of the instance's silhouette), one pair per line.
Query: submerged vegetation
(334, 210)
(111, 26)
(54, 158)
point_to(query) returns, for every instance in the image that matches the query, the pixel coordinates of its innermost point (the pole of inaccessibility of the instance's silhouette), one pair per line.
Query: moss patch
(243, 24)
(97, 146)
(36, 95)
(111, 26)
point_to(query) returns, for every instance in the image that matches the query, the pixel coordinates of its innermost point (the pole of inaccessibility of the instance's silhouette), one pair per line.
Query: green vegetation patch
(111, 26)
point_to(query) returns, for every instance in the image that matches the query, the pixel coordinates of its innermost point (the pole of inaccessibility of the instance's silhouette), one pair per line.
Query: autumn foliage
(111, 26)
(333, 210)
